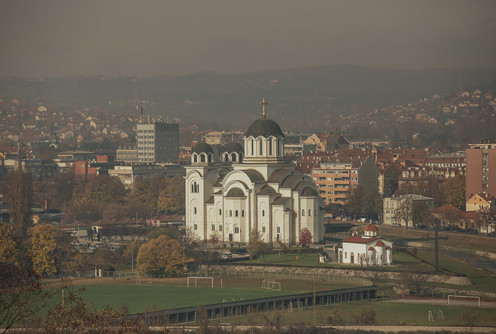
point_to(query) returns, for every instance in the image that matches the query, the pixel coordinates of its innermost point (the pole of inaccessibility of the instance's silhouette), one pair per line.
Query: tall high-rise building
(481, 169)
(158, 141)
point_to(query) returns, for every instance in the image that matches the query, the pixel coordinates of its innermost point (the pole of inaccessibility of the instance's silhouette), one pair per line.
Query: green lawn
(140, 298)
(387, 313)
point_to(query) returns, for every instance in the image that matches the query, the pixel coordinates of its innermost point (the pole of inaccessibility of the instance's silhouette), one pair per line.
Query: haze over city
(143, 38)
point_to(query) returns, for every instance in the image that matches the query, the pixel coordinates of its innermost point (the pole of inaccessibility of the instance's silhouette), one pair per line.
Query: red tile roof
(358, 239)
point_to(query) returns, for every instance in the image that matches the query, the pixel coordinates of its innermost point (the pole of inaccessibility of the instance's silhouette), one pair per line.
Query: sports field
(173, 293)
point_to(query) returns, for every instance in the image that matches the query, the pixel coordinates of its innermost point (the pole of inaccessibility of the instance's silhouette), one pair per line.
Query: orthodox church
(251, 187)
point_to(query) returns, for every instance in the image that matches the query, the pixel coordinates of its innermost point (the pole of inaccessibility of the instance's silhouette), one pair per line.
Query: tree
(454, 191)
(171, 197)
(257, 247)
(404, 211)
(42, 248)
(8, 250)
(305, 237)
(18, 187)
(160, 257)
(21, 295)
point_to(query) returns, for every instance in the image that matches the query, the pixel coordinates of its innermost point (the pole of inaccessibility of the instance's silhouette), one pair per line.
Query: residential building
(481, 169)
(399, 210)
(157, 141)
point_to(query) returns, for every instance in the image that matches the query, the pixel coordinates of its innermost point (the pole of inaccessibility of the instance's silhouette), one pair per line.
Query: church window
(261, 147)
(263, 229)
(195, 158)
(236, 229)
(213, 227)
(309, 212)
(277, 148)
(226, 157)
(230, 213)
(210, 158)
(202, 157)
(278, 229)
(236, 213)
(195, 227)
(192, 187)
(270, 147)
(303, 212)
(252, 148)
(220, 212)
(194, 210)
(263, 213)
(345, 255)
(242, 213)
(220, 228)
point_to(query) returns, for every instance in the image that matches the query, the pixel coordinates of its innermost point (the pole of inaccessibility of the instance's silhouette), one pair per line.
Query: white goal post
(465, 297)
(197, 278)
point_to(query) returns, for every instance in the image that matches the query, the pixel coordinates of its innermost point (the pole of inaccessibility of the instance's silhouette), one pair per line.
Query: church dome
(264, 127)
(309, 192)
(233, 147)
(202, 147)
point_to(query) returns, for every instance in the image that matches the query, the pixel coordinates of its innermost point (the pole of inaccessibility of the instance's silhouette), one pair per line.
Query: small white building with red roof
(367, 249)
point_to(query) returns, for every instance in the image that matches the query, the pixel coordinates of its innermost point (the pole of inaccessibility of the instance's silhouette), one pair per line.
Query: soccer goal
(200, 278)
(270, 284)
(454, 297)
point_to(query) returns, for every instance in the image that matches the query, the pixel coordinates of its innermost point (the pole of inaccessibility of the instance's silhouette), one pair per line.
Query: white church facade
(367, 249)
(251, 187)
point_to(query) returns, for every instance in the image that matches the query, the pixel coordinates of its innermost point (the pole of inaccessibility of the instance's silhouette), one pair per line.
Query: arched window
(226, 157)
(202, 157)
(242, 213)
(236, 213)
(233, 156)
(270, 147)
(263, 213)
(261, 147)
(194, 210)
(345, 255)
(236, 229)
(303, 212)
(192, 187)
(309, 212)
(209, 157)
(195, 158)
(252, 148)
(220, 212)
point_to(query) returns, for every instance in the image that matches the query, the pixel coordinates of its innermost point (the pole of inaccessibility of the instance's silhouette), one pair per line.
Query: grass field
(387, 313)
(173, 293)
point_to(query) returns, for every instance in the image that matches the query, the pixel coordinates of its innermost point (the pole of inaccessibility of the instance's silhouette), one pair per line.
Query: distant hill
(300, 96)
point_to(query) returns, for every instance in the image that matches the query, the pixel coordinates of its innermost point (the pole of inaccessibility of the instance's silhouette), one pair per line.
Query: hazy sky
(122, 37)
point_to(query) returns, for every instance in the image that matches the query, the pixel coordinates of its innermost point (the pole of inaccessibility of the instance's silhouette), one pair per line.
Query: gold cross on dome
(264, 103)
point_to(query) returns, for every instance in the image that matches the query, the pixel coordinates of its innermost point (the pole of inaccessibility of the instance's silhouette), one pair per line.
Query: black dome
(233, 147)
(202, 147)
(264, 127)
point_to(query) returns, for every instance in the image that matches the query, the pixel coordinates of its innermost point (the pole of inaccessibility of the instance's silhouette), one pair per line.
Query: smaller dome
(235, 192)
(233, 147)
(202, 147)
(309, 192)
(388, 248)
(379, 244)
(267, 190)
(371, 249)
(370, 228)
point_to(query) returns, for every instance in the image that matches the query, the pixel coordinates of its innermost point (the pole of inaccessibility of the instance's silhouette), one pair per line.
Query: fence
(262, 273)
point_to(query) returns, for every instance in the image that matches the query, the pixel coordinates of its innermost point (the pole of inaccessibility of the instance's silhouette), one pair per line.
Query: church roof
(309, 192)
(358, 239)
(267, 190)
(371, 228)
(235, 192)
(278, 176)
(379, 243)
(254, 175)
(210, 200)
(202, 147)
(281, 200)
(289, 180)
(233, 147)
(264, 127)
